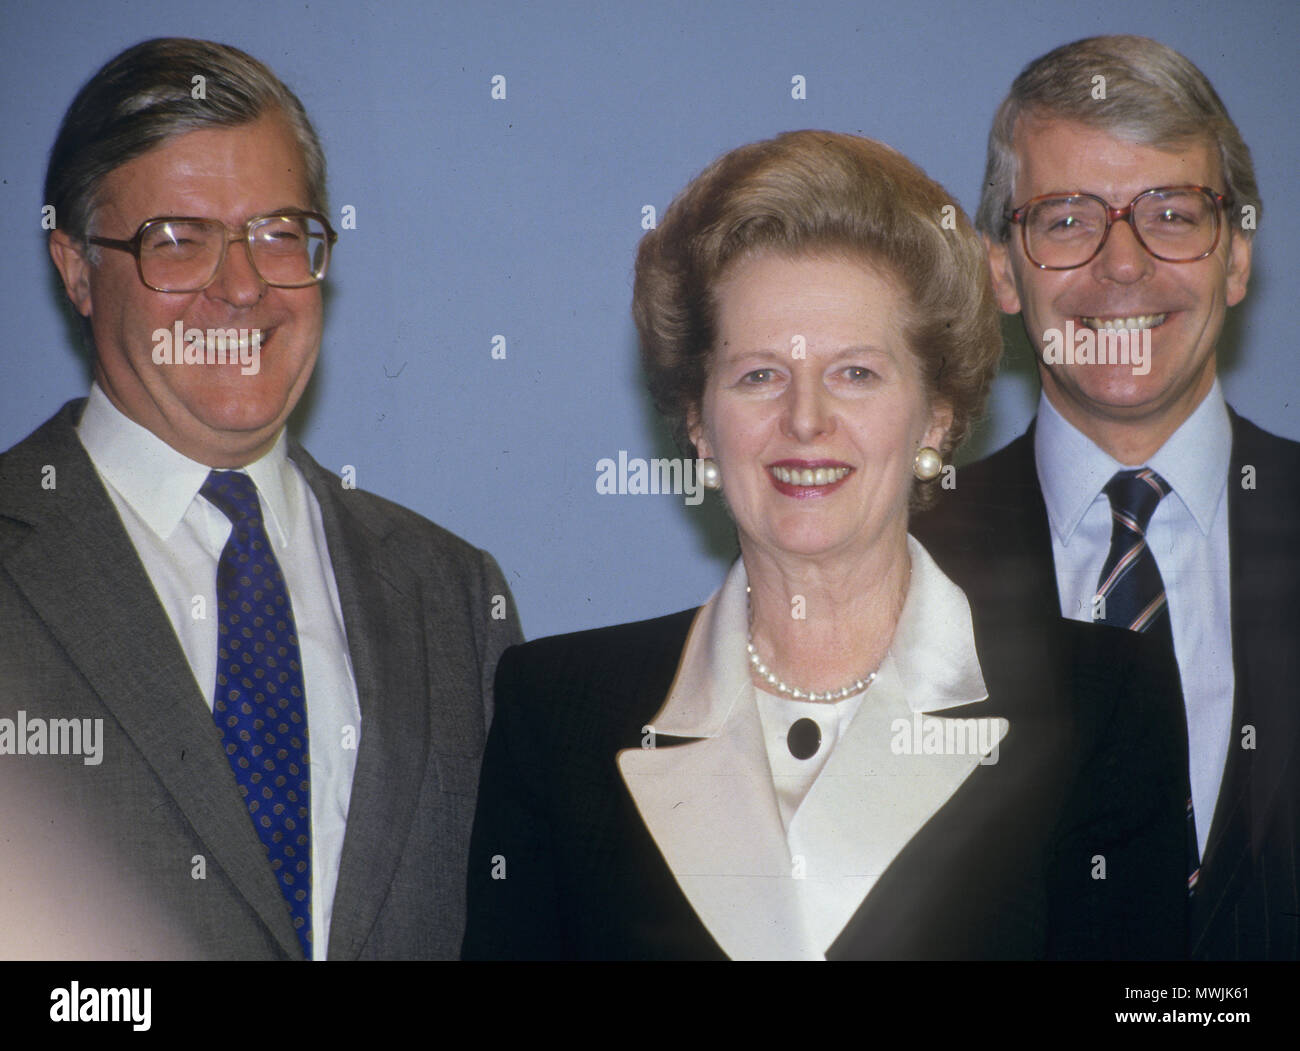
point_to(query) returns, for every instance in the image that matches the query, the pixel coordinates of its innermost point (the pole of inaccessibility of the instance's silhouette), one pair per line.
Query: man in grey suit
(245, 700)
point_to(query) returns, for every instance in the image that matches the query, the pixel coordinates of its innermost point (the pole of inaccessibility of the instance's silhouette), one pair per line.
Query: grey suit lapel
(80, 572)
(384, 616)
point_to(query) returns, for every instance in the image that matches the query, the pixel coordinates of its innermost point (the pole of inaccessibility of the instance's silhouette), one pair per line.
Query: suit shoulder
(589, 693)
(1251, 442)
(994, 507)
(1006, 464)
(614, 651)
(404, 521)
(55, 433)
(386, 521)
(1264, 501)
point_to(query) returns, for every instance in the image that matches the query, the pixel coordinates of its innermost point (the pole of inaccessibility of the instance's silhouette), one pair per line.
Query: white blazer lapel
(709, 804)
(896, 766)
(713, 812)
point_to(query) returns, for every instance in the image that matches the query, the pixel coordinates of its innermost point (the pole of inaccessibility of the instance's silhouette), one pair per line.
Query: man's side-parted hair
(1153, 97)
(806, 193)
(146, 95)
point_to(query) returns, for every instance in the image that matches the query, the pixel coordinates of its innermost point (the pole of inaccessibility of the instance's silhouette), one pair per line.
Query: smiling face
(214, 414)
(814, 406)
(1183, 304)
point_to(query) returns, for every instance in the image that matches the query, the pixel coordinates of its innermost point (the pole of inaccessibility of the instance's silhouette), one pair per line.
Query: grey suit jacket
(157, 830)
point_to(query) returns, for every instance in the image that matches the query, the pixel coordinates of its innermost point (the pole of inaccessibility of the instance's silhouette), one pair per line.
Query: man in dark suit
(1119, 208)
(247, 699)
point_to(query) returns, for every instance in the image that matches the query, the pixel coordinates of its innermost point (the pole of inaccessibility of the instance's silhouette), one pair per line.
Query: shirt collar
(932, 656)
(1196, 458)
(157, 482)
(1073, 470)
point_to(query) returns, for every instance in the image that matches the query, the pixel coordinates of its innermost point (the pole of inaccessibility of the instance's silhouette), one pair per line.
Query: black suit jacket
(991, 535)
(1091, 767)
(155, 841)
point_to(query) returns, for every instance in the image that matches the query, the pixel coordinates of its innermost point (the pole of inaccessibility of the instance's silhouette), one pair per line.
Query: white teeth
(242, 344)
(809, 476)
(240, 347)
(1142, 321)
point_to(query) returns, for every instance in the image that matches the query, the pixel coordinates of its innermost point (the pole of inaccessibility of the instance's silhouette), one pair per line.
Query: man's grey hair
(150, 93)
(1153, 97)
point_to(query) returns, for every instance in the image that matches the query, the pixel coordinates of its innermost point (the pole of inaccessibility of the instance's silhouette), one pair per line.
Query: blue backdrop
(518, 217)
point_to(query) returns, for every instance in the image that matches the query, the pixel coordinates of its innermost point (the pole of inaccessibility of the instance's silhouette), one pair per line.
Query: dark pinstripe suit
(991, 536)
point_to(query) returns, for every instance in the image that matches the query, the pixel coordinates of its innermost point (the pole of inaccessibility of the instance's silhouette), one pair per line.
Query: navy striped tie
(1130, 584)
(1132, 592)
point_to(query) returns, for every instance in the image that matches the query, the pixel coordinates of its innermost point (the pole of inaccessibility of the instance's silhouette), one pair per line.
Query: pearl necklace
(769, 677)
(780, 686)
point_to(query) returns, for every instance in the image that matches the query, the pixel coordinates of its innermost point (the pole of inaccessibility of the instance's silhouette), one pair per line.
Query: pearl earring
(709, 473)
(928, 463)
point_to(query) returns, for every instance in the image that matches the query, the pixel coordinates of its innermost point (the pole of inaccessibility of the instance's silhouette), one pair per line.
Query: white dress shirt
(770, 888)
(1188, 534)
(179, 537)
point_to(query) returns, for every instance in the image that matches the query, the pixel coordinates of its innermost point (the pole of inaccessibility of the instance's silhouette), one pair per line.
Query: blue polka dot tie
(1134, 591)
(259, 704)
